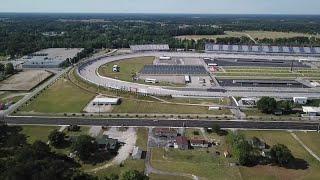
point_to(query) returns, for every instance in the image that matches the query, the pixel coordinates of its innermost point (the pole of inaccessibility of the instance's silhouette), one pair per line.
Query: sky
(164, 6)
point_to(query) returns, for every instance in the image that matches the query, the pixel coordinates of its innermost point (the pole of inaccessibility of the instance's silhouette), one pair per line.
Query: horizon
(207, 7)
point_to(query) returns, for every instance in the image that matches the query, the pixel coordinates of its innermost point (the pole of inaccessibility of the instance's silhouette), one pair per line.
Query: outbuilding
(311, 111)
(105, 101)
(300, 100)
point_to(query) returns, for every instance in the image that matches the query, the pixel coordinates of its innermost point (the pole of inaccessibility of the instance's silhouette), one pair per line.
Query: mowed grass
(61, 97)
(220, 101)
(311, 171)
(198, 162)
(142, 140)
(40, 133)
(253, 34)
(133, 106)
(310, 139)
(166, 177)
(128, 67)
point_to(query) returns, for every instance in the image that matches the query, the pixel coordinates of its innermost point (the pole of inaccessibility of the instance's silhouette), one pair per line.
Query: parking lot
(173, 69)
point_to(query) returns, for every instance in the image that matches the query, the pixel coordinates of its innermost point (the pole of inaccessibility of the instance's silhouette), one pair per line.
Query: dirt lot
(24, 81)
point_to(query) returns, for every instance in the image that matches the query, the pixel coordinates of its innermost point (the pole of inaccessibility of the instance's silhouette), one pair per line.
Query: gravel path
(305, 147)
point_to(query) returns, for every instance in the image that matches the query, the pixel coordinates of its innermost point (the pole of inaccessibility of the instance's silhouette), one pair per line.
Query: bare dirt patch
(25, 80)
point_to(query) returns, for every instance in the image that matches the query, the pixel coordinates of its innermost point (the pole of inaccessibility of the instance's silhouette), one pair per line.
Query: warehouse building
(49, 58)
(311, 111)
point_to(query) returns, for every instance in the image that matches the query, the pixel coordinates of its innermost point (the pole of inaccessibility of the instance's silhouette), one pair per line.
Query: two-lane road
(163, 123)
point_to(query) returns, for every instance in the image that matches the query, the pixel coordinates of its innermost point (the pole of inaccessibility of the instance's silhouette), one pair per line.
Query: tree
(112, 176)
(9, 69)
(267, 105)
(133, 175)
(281, 155)
(57, 138)
(2, 67)
(286, 106)
(216, 128)
(85, 146)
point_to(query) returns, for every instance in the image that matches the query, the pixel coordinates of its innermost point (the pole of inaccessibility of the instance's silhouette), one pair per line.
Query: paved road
(163, 123)
(88, 72)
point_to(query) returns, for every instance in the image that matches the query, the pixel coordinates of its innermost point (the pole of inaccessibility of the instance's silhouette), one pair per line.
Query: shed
(300, 100)
(137, 153)
(311, 111)
(105, 101)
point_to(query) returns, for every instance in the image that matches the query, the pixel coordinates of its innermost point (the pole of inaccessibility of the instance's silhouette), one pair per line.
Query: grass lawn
(220, 101)
(142, 140)
(193, 133)
(34, 133)
(310, 139)
(133, 106)
(255, 112)
(197, 162)
(128, 67)
(274, 172)
(61, 97)
(166, 177)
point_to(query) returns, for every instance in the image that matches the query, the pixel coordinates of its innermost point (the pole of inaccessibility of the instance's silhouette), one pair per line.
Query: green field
(61, 97)
(310, 139)
(220, 101)
(198, 162)
(253, 34)
(274, 172)
(34, 133)
(128, 67)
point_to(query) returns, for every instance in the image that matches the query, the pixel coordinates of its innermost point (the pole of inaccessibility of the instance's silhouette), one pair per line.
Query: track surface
(88, 72)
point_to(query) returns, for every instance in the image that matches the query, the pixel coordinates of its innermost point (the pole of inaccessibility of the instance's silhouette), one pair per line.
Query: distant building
(150, 47)
(311, 111)
(49, 58)
(181, 143)
(248, 102)
(300, 100)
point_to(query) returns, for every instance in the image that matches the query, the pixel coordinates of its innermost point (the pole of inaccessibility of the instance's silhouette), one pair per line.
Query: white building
(105, 101)
(311, 111)
(164, 58)
(248, 102)
(136, 153)
(300, 100)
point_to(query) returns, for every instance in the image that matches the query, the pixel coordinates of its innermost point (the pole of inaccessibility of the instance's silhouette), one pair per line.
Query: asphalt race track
(88, 72)
(280, 125)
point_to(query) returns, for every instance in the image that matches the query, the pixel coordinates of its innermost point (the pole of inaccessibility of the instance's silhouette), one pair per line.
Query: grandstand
(262, 49)
(150, 47)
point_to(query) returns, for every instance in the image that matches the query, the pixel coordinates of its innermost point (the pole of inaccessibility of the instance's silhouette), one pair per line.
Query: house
(311, 111)
(165, 132)
(136, 153)
(300, 100)
(181, 143)
(199, 143)
(106, 143)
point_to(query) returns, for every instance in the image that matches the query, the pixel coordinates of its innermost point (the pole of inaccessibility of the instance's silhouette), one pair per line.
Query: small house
(165, 132)
(181, 143)
(106, 143)
(300, 100)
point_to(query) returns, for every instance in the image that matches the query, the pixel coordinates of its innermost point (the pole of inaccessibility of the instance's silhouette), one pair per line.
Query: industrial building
(49, 58)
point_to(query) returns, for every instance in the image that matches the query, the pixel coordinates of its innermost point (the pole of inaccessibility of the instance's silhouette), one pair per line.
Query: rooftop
(308, 109)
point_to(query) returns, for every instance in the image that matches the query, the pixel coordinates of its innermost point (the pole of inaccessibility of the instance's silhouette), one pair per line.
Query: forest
(21, 34)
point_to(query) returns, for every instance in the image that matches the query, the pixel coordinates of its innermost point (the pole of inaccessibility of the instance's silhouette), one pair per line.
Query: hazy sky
(165, 6)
